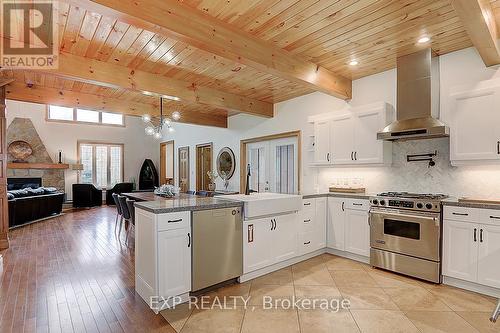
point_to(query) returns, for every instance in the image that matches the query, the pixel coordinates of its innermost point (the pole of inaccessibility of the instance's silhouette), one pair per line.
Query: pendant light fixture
(157, 131)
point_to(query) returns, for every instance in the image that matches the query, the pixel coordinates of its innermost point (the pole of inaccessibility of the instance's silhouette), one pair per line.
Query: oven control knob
(420, 205)
(428, 205)
(375, 201)
(382, 202)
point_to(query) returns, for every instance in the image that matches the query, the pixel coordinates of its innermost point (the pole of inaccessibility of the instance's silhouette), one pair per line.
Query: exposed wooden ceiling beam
(117, 76)
(479, 21)
(37, 94)
(173, 18)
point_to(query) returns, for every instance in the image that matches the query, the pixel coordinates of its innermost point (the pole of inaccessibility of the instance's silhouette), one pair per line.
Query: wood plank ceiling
(329, 33)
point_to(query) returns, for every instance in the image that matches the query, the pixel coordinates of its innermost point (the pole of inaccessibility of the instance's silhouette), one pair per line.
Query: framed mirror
(226, 162)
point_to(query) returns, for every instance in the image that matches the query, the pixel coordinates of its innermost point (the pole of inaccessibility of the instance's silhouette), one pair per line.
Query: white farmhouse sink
(265, 204)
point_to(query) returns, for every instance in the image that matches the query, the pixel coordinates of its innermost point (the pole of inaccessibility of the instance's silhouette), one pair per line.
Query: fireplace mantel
(37, 166)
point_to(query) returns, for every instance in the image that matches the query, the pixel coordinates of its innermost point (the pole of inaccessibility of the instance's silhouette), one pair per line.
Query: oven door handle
(400, 215)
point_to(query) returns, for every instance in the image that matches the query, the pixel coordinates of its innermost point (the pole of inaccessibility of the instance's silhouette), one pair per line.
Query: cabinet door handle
(189, 239)
(355, 155)
(328, 157)
(498, 147)
(174, 221)
(481, 235)
(307, 243)
(272, 224)
(352, 156)
(495, 217)
(475, 235)
(250, 233)
(357, 204)
(275, 224)
(460, 214)
(307, 204)
(342, 206)
(307, 221)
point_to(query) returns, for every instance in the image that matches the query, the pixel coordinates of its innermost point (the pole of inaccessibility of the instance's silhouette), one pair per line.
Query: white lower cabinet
(268, 241)
(357, 232)
(162, 256)
(471, 248)
(312, 233)
(348, 229)
(174, 262)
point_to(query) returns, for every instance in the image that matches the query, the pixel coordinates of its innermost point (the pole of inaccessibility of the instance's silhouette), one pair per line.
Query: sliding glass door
(274, 165)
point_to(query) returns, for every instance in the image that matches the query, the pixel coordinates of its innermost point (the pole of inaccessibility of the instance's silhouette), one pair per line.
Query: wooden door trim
(4, 205)
(163, 166)
(201, 145)
(188, 166)
(243, 153)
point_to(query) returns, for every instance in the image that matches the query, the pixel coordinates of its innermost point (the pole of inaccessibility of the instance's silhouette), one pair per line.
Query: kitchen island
(170, 236)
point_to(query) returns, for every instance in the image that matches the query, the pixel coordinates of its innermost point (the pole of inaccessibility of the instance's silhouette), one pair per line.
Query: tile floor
(379, 302)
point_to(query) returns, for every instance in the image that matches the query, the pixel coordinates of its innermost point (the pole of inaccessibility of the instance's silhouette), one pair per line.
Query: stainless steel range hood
(418, 99)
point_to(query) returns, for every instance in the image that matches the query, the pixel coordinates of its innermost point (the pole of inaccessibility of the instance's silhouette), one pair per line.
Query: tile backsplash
(472, 181)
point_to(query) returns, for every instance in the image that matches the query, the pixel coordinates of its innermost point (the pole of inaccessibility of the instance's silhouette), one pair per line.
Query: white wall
(64, 136)
(458, 68)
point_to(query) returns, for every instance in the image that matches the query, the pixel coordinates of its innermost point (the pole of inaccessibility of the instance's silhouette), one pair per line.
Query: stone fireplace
(23, 129)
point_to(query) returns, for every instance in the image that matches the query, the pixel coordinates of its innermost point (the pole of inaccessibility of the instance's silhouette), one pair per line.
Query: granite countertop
(455, 202)
(339, 195)
(185, 203)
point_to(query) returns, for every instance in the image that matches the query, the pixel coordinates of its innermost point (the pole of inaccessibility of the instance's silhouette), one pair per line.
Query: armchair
(86, 195)
(118, 189)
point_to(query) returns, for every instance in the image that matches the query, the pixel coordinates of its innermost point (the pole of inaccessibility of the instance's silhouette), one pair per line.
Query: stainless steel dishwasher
(217, 252)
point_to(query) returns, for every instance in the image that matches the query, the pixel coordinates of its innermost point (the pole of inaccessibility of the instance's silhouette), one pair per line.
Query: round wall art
(20, 150)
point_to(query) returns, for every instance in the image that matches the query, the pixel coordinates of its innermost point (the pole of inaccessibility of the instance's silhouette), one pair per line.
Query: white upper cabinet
(351, 137)
(474, 123)
(342, 139)
(322, 141)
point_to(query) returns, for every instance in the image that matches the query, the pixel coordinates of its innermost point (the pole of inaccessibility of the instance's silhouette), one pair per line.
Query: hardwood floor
(72, 274)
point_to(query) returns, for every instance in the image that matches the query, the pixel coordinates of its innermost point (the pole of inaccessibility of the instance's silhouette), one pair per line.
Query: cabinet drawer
(461, 214)
(172, 221)
(308, 204)
(357, 204)
(490, 216)
(306, 242)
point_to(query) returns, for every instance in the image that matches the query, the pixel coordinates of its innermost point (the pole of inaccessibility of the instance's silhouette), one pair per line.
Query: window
(102, 163)
(87, 116)
(60, 113)
(274, 165)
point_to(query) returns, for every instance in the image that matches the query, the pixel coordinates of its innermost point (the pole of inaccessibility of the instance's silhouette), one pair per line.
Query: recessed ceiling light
(423, 40)
(353, 63)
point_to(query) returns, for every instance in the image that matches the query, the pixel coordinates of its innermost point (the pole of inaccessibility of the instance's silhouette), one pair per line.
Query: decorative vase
(211, 186)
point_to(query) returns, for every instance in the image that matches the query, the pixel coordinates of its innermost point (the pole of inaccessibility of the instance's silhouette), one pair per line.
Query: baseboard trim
(293, 261)
(278, 266)
(471, 286)
(348, 255)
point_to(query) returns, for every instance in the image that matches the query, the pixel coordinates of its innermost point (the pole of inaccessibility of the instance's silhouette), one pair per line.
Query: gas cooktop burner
(414, 195)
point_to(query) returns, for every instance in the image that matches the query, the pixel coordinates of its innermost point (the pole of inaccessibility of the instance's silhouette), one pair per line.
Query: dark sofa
(28, 205)
(118, 189)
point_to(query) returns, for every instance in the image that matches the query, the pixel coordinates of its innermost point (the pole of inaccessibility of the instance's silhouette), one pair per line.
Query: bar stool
(118, 211)
(131, 210)
(122, 200)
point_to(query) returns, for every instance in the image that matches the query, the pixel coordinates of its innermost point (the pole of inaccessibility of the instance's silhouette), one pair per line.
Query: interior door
(203, 166)
(184, 168)
(367, 148)
(258, 158)
(488, 272)
(342, 139)
(284, 175)
(167, 162)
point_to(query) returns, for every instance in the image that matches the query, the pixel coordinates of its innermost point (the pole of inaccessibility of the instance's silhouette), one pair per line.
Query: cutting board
(480, 201)
(347, 189)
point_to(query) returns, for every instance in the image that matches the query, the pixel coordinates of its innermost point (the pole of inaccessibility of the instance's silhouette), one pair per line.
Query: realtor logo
(29, 34)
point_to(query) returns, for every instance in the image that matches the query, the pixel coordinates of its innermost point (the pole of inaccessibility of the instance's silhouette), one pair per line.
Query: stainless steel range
(405, 234)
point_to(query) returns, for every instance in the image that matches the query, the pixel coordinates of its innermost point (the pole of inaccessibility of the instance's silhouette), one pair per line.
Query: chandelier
(157, 130)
